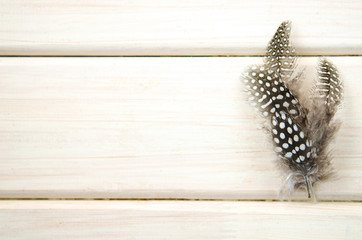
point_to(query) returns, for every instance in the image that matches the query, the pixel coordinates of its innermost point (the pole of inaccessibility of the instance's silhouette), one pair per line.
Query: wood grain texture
(151, 128)
(162, 27)
(178, 220)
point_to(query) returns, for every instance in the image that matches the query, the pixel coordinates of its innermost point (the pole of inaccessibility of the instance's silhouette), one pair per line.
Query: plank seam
(172, 199)
(168, 56)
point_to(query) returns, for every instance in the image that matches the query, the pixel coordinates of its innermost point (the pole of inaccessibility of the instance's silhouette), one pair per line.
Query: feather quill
(300, 132)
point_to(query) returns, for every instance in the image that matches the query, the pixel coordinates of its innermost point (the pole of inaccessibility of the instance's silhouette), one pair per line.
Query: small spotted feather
(329, 86)
(280, 55)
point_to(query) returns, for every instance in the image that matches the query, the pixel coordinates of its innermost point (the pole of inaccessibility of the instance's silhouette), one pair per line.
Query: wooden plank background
(77, 123)
(179, 220)
(134, 128)
(163, 27)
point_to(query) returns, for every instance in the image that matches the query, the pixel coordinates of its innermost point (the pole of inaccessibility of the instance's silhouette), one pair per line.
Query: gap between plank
(172, 199)
(168, 56)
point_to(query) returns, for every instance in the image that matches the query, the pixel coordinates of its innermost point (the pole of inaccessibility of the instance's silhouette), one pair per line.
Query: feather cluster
(300, 130)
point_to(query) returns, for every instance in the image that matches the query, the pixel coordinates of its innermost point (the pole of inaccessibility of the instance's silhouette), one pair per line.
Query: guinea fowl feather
(300, 130)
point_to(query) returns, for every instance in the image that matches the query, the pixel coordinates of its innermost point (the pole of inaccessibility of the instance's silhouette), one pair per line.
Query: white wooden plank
(178, 220)
(151, 128)
(162, 27)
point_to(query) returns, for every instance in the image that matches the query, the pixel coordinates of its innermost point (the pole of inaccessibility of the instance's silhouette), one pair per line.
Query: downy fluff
(300, 130)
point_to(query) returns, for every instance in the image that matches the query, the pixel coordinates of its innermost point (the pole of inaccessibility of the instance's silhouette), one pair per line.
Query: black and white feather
(280, 55)
(300, 131)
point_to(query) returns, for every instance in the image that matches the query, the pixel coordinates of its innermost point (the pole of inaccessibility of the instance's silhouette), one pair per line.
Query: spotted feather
(329, 86)
(293, 146)
(300, 131)
(269, 92)
(280, 55)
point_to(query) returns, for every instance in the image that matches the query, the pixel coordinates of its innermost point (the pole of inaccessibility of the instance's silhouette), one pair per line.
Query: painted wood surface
(178, 220)
(163, 128)
(151, 128)
(163, 27)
